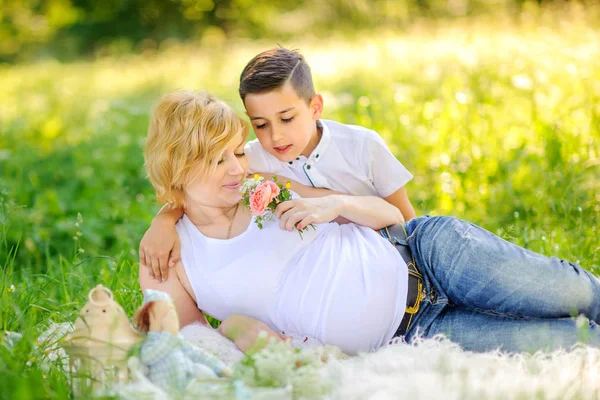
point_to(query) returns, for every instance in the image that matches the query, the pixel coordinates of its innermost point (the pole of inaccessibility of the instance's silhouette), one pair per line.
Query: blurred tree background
(66, 29)
(480, 99)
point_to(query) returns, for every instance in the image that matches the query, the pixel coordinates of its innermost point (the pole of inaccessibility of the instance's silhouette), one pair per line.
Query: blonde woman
(344, 284)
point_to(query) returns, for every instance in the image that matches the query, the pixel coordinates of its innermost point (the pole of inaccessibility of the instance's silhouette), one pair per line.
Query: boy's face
(283, 122)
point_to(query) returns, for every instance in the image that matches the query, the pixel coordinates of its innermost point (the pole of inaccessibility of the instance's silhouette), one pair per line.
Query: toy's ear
(100, 296)
(141, 319)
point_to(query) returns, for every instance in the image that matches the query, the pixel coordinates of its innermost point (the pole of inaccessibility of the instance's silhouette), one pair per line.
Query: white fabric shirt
(340, 284)
(349, 159)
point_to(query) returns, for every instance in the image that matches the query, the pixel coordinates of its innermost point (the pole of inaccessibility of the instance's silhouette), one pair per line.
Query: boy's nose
(276, 134)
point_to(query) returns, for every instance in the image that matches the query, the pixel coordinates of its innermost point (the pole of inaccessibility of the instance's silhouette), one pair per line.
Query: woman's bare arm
(249, 334)
(185, 304)
(245, 332)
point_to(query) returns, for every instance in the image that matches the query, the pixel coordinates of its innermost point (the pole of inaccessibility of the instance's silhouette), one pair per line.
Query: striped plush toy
(172, 362)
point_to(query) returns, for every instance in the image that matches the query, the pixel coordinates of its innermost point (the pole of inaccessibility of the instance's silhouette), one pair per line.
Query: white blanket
(429, 369)
(438, 369)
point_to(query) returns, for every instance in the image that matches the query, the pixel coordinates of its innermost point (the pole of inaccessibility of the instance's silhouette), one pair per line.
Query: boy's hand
(160, 250)
(302, 212)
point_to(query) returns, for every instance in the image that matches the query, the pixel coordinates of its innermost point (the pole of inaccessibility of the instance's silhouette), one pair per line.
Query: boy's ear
(316, 106)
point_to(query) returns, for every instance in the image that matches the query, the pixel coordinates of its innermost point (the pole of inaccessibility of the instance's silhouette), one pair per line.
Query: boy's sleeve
(384, 170)
(257, 161)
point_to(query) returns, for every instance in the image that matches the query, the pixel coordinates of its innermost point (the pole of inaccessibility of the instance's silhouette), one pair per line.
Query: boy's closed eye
(284, 120)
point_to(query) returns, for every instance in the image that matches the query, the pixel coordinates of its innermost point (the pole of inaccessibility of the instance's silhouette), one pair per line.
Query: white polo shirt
(349, 159)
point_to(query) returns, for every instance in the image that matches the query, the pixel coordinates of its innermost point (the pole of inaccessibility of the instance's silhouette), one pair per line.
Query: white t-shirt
(343, 285)
(349, 159)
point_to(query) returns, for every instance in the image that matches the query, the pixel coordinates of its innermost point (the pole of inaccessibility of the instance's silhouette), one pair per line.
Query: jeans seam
(496, 313)
(438, 301)
(412, 236)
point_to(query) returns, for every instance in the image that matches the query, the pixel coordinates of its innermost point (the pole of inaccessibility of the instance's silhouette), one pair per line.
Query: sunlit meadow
(499, 124)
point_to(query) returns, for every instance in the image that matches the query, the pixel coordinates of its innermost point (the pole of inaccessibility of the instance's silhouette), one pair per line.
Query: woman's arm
(369, 211)
(249, 334)
(185, 304)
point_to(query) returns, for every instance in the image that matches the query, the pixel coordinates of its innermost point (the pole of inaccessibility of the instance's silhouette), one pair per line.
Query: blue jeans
(485, 293)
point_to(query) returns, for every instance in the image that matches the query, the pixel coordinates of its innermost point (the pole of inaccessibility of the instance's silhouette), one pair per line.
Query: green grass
(499, 124)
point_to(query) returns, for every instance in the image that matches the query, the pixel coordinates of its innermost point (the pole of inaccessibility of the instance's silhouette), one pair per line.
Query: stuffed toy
(102, 338)
(172, 362)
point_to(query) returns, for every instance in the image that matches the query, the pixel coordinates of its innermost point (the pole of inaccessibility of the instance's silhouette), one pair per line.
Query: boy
(277, 90)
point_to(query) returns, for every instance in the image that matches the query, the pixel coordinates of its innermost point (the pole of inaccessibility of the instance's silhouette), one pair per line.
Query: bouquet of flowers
(262, 196)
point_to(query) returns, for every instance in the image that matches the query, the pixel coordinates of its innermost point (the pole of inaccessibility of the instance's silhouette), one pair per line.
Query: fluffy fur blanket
(429, 369)
(438, 369)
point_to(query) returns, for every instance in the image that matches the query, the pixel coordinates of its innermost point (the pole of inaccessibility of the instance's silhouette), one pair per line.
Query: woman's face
(221, 188)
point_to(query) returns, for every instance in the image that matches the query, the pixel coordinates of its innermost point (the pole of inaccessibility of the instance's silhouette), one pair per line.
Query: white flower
(287, 366)
(251, 183)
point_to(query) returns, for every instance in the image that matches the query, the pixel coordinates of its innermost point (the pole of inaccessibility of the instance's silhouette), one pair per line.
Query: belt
(394, 233)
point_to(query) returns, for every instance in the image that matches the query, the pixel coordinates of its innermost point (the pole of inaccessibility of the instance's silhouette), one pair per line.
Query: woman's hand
(160, 248)
(299, 213)
(246, 332)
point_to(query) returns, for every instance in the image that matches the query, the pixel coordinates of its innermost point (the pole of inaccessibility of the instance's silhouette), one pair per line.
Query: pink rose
(262, 196)
(274, 189)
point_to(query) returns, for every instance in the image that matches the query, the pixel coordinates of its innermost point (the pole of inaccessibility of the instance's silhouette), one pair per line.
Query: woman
(345, 284)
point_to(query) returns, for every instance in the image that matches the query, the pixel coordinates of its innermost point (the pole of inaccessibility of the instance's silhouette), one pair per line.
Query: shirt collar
(319, 151)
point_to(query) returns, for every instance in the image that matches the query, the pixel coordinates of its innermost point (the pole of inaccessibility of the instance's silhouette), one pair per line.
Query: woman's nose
(236, 167)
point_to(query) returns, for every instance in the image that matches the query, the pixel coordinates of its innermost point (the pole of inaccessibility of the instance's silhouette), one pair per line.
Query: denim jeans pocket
(413, 226)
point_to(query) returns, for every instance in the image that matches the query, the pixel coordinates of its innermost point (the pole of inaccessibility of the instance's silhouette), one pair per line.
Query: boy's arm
(301, 189)
(308, 192)
(313, 192)
(370, 211)
(160, 247)
(400, 200)
(387, 173)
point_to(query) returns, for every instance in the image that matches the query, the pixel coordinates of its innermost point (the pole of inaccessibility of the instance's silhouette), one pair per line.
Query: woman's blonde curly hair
(188, 134)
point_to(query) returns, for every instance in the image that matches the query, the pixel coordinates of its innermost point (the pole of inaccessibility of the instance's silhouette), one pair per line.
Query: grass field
(499, 124)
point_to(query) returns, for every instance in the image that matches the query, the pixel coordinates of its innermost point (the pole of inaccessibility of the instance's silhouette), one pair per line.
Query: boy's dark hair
(272, 69)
